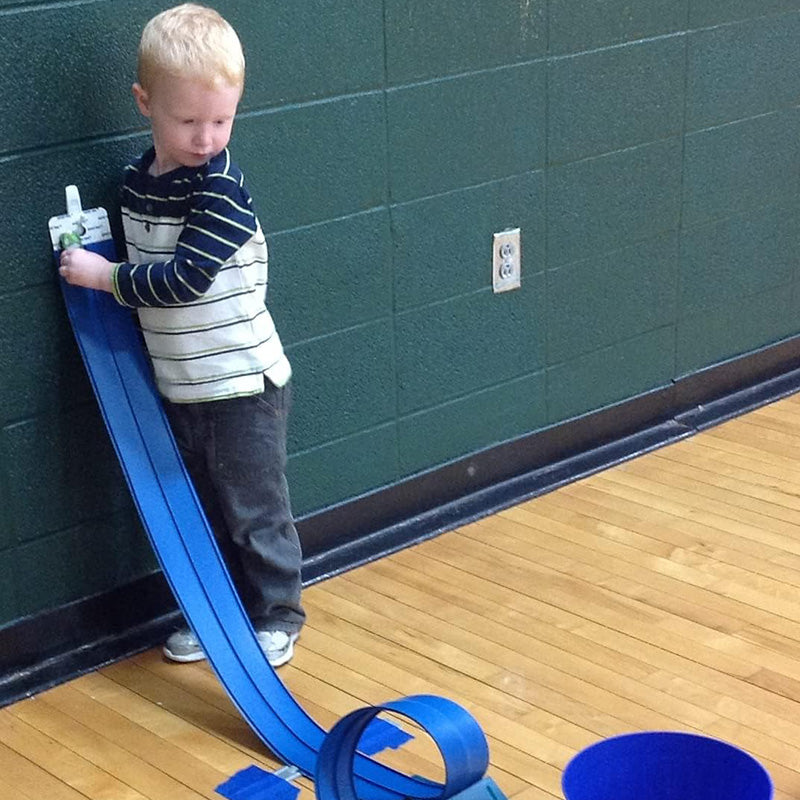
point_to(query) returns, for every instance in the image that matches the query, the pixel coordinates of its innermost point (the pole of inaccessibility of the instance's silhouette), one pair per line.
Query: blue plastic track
(184, 545)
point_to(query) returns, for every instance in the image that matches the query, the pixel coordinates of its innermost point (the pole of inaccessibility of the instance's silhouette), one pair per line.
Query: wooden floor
(661, 594)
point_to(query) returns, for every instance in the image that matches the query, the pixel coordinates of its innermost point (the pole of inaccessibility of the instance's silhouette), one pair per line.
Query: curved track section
(171, 513)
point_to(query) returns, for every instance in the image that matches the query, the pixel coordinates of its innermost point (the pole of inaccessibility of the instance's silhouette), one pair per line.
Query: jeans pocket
(274, 399)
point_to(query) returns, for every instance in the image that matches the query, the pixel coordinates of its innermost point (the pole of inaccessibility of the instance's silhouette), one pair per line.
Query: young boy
(197, 275)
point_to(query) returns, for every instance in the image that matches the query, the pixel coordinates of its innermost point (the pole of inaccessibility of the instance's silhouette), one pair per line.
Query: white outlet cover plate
(507, 261)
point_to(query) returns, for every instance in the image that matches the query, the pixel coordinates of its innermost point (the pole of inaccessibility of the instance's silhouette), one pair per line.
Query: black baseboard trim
(43, 650)
(486, 501)
(46, 649)
(485, 482)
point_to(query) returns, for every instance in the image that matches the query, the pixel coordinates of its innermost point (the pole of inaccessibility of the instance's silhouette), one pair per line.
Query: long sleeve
(212, 221)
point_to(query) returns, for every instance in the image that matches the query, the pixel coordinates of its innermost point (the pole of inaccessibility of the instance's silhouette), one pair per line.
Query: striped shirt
(197, 275)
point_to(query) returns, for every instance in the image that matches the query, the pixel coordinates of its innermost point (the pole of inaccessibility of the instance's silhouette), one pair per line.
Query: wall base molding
(48, 648)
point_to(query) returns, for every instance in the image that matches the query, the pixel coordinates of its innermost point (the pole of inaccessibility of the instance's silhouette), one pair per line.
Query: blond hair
(190, 41)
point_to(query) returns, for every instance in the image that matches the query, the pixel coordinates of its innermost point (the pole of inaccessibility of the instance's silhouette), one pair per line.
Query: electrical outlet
(507, 261)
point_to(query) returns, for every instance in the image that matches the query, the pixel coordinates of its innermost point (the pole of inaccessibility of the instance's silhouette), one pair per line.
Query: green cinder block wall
(647, 150)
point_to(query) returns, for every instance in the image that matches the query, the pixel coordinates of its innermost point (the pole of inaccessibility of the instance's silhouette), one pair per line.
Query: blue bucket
(664, 765)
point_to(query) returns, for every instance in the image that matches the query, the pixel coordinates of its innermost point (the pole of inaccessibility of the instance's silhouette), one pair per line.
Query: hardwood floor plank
(397, 682)
(575, 677)
(535, 793)
(227, 726)
(662, 593)
(26, 778)
(212, 732)
(708, 585)
(725, 461)
(151, 749)
(163, 724)
(632, 522)
(596, 637)
(102, 752)
(60, 761)
(502, 727)
(730, 491)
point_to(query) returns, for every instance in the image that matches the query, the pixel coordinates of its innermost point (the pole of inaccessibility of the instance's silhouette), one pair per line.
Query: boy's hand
(84, 268)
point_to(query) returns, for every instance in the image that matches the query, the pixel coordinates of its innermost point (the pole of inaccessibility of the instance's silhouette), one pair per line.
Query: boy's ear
(141, 98)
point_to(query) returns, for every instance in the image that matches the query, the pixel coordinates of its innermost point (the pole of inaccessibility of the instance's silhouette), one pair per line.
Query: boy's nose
(203, 135)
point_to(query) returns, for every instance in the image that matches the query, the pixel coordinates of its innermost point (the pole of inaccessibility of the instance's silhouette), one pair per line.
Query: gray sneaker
(278, 646)
(183, 646)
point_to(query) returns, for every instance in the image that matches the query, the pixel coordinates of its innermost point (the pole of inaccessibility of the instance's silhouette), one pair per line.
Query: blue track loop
(458, 736)
(187, 552)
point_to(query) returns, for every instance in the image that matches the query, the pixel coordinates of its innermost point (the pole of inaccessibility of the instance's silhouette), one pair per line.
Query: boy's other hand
(84, 268)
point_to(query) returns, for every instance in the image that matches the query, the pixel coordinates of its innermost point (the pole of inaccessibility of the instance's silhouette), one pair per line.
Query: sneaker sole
(184, 658)
(287, 656)
(188, 658)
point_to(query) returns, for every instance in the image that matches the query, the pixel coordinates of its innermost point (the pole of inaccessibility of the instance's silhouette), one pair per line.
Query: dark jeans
(235, 452)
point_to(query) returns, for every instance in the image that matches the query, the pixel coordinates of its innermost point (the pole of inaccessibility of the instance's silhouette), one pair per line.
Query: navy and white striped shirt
(197, 275)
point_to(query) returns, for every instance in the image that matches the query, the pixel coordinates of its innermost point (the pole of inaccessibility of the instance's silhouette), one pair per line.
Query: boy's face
(191, 122)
